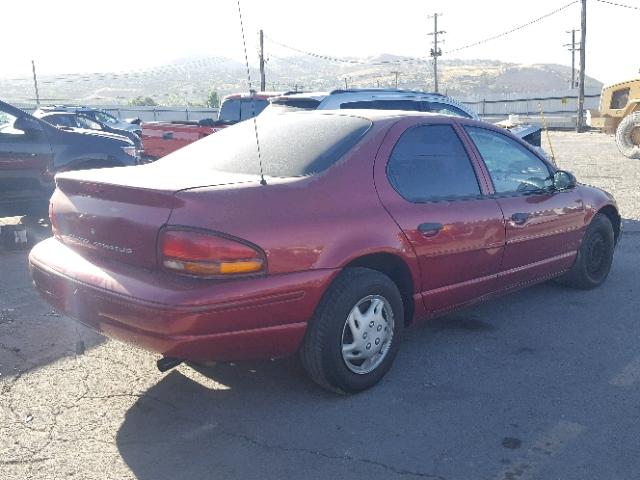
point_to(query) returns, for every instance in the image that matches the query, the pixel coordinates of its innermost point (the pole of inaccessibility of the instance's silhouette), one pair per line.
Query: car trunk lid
(117, 213)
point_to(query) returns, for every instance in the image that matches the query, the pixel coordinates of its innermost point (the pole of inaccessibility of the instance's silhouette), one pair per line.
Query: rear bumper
(191, 319)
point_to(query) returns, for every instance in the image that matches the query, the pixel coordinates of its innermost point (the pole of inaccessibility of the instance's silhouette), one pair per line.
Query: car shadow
(503, 369)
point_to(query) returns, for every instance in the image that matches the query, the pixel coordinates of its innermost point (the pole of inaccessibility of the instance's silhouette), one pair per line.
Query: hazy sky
(119, 35)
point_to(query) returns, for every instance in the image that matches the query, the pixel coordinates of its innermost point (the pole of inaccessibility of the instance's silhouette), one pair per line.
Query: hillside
(188, 81)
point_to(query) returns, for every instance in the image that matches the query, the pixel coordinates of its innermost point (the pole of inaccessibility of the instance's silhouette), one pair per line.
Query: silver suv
(390, 99)
(374, 98)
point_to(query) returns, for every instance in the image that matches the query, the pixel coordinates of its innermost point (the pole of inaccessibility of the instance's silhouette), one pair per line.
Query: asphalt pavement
(541, 384)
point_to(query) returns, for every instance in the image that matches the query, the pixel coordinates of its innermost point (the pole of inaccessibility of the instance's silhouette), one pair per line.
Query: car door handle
(167, 136)
(520, 218)
(430, 229)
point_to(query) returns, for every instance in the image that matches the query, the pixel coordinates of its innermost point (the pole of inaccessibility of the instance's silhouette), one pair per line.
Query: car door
(430, 185)
(543, 227)
(24, 156)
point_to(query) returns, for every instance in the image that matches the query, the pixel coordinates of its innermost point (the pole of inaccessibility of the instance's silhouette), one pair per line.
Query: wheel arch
(397, 270)
(614, 217)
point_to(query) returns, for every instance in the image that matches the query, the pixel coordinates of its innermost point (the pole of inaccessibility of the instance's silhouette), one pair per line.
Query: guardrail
(560, 110)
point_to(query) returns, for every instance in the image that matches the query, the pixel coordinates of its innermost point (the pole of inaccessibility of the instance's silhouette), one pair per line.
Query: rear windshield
(238, 110)
(291, 145)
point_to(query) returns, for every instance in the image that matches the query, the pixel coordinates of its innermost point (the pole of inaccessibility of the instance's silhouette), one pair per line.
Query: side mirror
(28, 125)
(563, 180)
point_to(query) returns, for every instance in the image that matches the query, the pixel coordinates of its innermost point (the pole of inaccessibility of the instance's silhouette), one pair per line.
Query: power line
(618, 4)
(515, 29)
(348, 60)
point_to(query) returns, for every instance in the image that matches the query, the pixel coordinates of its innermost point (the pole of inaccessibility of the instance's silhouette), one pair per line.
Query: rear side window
(60, 120)
(445, 109)
(429, 163)
(407, 105)
(291, 145)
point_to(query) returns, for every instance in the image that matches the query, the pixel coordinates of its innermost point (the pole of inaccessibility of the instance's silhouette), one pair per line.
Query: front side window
(512, 167)
(429, 163)
(86, 122)
(105, 117)
(60, 120)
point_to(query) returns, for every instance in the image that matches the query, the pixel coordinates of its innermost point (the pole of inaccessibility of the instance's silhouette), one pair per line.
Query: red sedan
(343, 230)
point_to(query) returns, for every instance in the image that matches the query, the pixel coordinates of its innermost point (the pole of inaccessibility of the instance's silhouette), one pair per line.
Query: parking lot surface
(541, 384)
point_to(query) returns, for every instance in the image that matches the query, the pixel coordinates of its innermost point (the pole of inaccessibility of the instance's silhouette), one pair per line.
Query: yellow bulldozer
(619, 114)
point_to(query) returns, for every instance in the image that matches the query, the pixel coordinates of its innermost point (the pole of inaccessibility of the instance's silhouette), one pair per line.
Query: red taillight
(197, 253)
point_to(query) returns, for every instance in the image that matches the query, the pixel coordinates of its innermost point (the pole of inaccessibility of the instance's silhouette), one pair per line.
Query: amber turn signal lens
(204, 254)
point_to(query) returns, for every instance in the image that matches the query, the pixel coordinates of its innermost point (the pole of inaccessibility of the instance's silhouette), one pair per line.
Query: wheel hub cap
(595, 253)
(367, 334)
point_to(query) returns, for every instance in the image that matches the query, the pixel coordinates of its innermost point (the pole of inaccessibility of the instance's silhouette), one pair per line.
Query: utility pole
(435, 51)
(583, 48)
(346, 85)
(573, 48)
(396, 72)
(35, 82)
(263, 83)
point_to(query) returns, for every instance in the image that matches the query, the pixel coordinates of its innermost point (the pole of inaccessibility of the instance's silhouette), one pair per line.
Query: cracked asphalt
(542, 384)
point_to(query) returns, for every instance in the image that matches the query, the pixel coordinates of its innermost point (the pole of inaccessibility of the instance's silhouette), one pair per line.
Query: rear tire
(628, 135)
(595, 256)
(354, 335)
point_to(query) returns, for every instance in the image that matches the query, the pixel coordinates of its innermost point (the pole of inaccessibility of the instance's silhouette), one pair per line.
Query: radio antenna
(251, 93)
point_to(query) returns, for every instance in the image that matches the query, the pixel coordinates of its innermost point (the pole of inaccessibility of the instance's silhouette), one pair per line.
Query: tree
(213, 100)
(141, 101)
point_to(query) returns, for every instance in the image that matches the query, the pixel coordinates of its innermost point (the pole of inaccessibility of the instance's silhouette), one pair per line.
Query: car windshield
(236, 110)
(290, 145)
(292, 104)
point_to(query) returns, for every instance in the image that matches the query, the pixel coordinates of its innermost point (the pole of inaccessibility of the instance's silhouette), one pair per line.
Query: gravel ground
(544, 383)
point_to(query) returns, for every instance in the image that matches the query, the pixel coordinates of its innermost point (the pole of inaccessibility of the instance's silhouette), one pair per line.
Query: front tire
(354, 335)
(628, 135)
(595, 256)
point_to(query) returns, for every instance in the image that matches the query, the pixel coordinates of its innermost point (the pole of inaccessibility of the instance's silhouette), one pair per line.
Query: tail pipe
(167, 363)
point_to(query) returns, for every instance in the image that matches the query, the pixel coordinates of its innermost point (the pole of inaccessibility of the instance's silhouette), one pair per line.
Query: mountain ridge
(189, 80)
